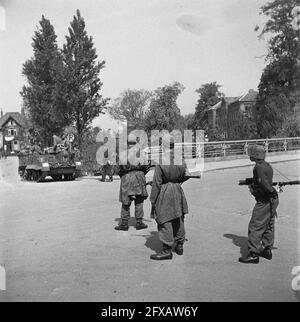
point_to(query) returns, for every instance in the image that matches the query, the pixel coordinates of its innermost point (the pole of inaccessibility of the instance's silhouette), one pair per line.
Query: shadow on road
(131, 221)
(239, 241)
(153, 242)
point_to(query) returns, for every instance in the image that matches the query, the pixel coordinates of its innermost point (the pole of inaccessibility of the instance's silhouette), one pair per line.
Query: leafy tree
(279, 86)
(81, 78)
(163, 113)
(131, 106)
(291, 125)
(217, 133)
(189, 121)
(244, 128)
(39, 101)
(89, 150)
(209, 96)
(271, 113)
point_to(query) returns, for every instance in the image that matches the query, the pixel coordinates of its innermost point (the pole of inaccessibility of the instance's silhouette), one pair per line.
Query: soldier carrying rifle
(169, 204)
(262, 224)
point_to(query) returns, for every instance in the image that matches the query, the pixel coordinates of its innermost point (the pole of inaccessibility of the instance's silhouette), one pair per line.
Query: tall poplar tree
(82, 84)
(39, 99)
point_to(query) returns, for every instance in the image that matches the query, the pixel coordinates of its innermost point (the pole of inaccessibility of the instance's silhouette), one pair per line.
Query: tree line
(64, 87)
(277, 110)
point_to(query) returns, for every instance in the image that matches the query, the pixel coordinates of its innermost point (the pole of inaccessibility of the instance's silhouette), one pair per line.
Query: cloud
(197, 25)
(2, 19)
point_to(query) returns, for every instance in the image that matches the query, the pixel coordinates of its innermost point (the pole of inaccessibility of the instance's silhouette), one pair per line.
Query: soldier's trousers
(138, 210)
(261, 227)
(172, 231)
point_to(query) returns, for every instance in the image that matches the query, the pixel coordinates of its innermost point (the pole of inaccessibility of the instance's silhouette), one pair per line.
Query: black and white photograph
(149, 153)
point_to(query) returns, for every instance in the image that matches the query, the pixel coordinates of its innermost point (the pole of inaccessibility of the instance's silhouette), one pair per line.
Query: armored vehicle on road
(59, 166)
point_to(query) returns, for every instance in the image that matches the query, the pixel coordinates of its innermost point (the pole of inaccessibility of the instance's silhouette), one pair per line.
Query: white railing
(228, 148)
(215, 149)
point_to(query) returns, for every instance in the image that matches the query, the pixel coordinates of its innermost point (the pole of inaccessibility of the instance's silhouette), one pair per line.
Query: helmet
(257, 152)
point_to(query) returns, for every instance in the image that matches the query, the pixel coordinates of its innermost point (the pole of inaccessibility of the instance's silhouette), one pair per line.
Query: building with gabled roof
(225, 114)
(12, 131)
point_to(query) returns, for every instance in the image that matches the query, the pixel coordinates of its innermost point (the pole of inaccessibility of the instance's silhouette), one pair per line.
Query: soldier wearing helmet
(133, 184)
(261, 226)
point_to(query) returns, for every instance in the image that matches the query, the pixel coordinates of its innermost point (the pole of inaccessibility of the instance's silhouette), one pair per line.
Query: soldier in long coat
(169, 206)
(262, 224)
(132, 189)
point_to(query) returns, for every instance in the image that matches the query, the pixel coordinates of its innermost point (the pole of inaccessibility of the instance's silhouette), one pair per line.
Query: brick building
(225, 114)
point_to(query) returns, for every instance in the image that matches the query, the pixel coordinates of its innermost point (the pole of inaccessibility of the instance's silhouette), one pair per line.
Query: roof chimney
(1, 115)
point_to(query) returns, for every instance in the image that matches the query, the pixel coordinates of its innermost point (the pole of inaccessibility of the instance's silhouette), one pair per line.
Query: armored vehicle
(59, 166)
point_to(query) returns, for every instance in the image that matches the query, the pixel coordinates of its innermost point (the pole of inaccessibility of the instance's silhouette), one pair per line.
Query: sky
(145, 43)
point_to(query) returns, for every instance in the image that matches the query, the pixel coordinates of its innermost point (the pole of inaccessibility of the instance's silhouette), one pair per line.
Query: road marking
(2, 279)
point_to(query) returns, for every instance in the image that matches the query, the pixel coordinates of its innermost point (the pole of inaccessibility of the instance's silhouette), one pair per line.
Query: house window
(12, 132)
(15, 142)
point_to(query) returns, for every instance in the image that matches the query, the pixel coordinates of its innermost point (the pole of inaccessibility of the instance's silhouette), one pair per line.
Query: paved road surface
(57, 243)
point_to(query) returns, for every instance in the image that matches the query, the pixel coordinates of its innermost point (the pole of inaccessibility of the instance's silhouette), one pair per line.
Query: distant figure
(56, 140)
(107, 169)
(60, 143)
(36, 148)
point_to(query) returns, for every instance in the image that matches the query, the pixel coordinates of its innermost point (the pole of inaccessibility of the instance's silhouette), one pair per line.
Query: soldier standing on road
(262, 224)
(107, 169)
(132, 189)
(169, 204)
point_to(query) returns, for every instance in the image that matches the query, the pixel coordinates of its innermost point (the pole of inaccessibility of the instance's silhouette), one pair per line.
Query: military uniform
(36, 149)
(107, 169)
(132, 189)
(169, 203)
(56, 141)
(262, 224)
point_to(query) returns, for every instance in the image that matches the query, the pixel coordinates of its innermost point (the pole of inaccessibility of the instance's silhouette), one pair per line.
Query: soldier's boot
(179, 248)
(166, 253)
(251, 258)
(140, 225)
(122, 226)
(266, 253)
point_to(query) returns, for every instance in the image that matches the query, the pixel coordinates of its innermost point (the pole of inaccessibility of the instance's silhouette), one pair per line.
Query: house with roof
(226, 113)
(12, 131)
